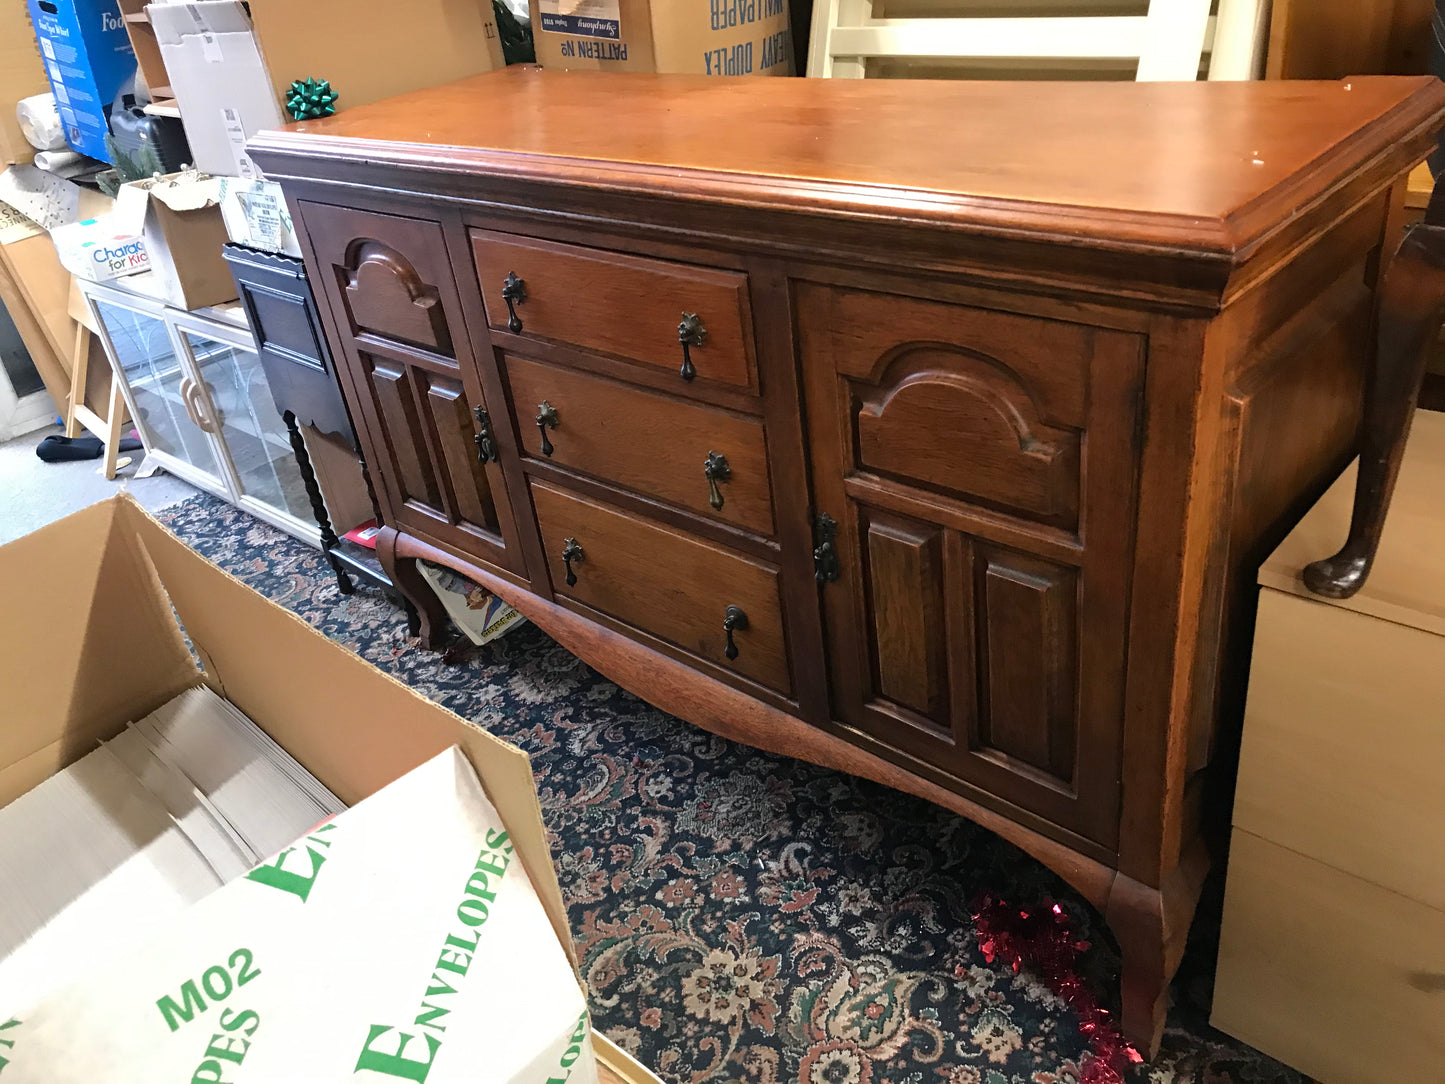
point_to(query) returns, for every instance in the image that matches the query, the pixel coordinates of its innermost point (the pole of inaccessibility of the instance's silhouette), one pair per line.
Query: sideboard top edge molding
(1188, 169)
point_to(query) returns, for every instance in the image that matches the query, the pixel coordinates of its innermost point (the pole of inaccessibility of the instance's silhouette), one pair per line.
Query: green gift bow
(309, 99)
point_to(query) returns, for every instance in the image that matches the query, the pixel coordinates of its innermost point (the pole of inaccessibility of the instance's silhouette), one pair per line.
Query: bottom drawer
(1335, 976)
(667, 583)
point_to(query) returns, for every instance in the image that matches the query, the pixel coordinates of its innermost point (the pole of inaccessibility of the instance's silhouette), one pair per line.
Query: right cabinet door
(981, 469)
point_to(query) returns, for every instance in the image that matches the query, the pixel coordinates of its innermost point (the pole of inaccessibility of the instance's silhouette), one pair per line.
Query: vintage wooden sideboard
(930, 431)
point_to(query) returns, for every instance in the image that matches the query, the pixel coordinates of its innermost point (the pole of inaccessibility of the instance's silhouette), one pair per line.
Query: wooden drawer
(646, 442)
(1335, 976)
(626, 306)
(1009, 392)
(666, 583)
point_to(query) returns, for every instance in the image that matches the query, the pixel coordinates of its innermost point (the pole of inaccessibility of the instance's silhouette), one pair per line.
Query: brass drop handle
(690, 333)
(733, 618)
(571, 551)
(716, 470)
(546, 419)
(514, 292)
(486, 442)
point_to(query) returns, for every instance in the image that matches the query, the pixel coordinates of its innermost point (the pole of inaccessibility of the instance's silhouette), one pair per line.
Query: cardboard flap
(190, 195)
(354, 727)
(80, 596)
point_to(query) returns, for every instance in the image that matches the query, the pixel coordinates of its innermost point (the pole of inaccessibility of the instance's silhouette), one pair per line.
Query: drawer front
(1335, 976)
(646, 442)
(1011, 392)
(626, 306)
(672, 585)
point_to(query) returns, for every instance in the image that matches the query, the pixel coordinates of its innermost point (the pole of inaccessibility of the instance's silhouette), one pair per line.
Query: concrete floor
(34, 493)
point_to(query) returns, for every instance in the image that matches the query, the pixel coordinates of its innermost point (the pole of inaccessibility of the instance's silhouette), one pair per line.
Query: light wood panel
(1330, 974)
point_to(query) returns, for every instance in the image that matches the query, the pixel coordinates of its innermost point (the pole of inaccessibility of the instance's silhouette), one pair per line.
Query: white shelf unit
(198, 396)
(1172, 40)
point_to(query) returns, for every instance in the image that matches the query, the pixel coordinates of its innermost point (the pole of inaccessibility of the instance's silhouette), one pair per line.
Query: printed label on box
(589, 18)
(264, 218)
(236, 134)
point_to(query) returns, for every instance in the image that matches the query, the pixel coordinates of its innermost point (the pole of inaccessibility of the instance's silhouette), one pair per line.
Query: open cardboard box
(91, 641)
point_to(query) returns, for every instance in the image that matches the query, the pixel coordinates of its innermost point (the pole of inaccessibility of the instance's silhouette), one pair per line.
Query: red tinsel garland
(1042, 939)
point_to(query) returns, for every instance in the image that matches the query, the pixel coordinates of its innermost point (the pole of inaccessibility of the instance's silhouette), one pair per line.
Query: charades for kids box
(418, 936)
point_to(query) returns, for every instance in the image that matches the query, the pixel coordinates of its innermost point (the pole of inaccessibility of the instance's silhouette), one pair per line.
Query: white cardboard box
(219, 80)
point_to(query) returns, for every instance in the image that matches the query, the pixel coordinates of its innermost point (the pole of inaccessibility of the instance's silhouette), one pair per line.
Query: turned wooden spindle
(1411, 311)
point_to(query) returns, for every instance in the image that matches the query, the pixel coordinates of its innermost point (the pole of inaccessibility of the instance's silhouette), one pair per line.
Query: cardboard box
(110, 575)
(106, 246)
(87, 55)
(720, 37)
(184, 230)
(21, 75)
(230, 69)
(219, 81)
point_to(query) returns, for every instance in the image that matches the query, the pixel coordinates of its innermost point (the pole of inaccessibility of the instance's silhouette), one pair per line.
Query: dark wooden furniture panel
(281, 309)
(667, 583)
(612, 303)
(1042, 420)
(1009, 670)
(415, 385)
(710, 462)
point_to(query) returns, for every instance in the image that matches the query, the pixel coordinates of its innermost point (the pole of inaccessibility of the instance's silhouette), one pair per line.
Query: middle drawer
(708, 461)
(714, 603)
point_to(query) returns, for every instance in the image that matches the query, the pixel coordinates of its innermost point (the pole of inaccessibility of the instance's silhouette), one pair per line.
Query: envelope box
(87, 56)
(92, 620)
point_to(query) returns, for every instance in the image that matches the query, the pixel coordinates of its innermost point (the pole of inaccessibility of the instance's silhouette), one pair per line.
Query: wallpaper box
(718, 37)
(87, 55)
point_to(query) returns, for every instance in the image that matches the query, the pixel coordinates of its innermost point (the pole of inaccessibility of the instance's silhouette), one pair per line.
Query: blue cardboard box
(87, 56)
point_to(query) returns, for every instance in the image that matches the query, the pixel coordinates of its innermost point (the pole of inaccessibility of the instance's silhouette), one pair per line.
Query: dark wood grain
(650, 443)
(666, 582)
(675, 687)
(1057, 412)
(621, 305)
(1411, 309)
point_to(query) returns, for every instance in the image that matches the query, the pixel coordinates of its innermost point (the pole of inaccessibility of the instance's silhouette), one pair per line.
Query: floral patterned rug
(743, 917)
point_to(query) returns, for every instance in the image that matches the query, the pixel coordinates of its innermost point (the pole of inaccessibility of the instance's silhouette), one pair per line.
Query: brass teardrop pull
(716, 470)
(733, 618)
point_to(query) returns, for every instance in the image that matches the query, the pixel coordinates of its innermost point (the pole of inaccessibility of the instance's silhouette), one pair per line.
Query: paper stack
(128, 837)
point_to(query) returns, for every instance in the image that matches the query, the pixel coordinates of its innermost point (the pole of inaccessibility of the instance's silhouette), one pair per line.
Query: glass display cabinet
(200, 401)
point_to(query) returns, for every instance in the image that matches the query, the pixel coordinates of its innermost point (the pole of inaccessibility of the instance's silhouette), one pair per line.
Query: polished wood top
(1205, 165)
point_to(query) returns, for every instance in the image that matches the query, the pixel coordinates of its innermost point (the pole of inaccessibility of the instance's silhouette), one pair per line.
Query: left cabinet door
(160, 389)
(409, 372)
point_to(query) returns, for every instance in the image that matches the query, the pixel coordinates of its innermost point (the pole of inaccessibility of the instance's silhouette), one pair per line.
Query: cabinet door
(981, 470)
(158, 387)
(417, 398)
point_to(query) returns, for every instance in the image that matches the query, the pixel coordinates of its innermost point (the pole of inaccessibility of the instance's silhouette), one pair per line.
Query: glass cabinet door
(155, 377)
(248, 424)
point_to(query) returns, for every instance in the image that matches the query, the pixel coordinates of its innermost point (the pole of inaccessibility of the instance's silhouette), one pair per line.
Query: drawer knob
(716, 470)
(690, 333)
(514, 292)
(486, 443)
(546, 419)
(733, 618)
(571, 551)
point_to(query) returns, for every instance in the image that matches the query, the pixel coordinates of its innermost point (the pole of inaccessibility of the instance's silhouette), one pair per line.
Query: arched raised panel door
(412, 381)
(971, 459)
